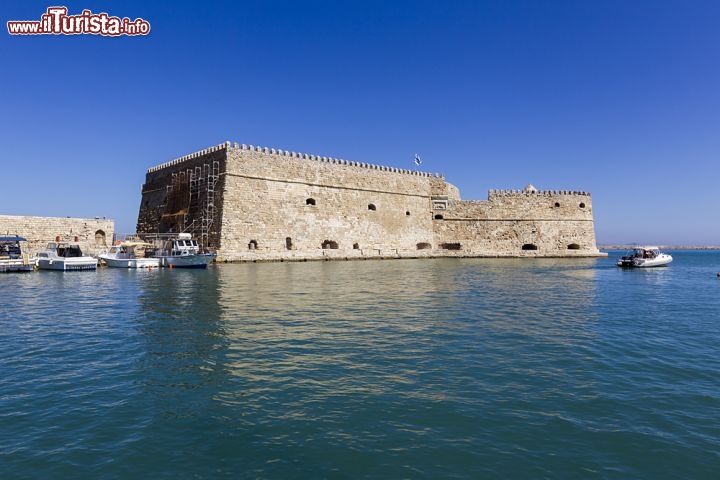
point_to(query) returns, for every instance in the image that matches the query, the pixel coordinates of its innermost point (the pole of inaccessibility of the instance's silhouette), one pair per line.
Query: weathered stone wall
(94, 235)
(169, 203)
(288, 204)
(545, 223)
(274, 204)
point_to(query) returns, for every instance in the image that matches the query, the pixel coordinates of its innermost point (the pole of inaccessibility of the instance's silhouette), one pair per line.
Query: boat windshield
(646, 253)
(69, 251)
(10, 250)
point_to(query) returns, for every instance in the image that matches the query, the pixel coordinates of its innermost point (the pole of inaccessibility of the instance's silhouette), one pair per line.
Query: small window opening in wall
(438, 217)
(252, 245)
(356, 246)
(529, 246)
(407, 213)
(451, 246)
(371, 206)
(557, 204)
(330, 244)
(288, 243)
(100, 238)
(573, 246)
(310, 201)
(582, 205)
(423, 246)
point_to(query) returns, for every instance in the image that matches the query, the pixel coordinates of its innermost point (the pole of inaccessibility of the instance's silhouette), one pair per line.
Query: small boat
(644, 257)
(183, 251)
(130, 255)
(12, 257)
(64, 256)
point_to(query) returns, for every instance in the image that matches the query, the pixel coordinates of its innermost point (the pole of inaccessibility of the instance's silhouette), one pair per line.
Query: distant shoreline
(662, 247)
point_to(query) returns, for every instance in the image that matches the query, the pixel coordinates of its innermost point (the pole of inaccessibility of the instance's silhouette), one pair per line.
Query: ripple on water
(430, 369)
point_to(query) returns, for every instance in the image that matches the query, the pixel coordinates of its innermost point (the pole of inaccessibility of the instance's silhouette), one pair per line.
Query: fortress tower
(253, 204)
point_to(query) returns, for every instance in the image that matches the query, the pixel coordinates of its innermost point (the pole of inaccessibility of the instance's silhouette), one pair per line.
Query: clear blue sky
(619, 98)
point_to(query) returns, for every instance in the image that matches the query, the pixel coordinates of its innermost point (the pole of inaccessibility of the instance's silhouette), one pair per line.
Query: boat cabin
(10, 247)
(12, 256)
(646, 252)
(65, 250)
(182, 245)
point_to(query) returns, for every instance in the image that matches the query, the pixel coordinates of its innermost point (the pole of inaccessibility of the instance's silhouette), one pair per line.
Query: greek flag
(417, 159)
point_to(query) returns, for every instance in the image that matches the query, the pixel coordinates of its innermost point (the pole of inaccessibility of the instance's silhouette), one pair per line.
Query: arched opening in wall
(557, 204)
(573, 246)
(451, 246)
(438, 217)
(330, 244)
(356, 246)
(310, 201)
(423, 246)
(252, 245)
(100, 238)
(371, 206)
(529, 246)
(582, 205)
(288, 243)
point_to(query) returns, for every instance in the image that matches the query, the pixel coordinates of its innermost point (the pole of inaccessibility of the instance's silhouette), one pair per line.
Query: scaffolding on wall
(190, 202)
(201, 209)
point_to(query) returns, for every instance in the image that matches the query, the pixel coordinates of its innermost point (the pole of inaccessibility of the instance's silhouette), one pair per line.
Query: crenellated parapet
(530, 192)
(191, 156)
(331, 160)
(278, 152)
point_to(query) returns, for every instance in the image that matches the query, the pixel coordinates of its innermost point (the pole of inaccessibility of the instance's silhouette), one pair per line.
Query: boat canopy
(135, 244)
(14, 238)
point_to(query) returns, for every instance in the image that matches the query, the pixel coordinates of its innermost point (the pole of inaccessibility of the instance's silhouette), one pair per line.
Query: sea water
(446, 368)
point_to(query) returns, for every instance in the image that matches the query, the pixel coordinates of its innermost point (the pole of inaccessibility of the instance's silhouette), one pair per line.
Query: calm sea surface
(512, 369)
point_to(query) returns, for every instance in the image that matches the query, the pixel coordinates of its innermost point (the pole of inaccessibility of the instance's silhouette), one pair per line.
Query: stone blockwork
(252, 204)
(94, 235)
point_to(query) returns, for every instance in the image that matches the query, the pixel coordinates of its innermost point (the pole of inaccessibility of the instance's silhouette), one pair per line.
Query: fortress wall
(441, 189)
(273, 204)
(291, 167)
(548, 205)
(556, 222)
(93, 235)
(155, 202)
(552, 204)
(507, 237)
(266, 200)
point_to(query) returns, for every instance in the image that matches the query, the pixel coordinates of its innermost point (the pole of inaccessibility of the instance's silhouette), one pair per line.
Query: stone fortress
(252, 203)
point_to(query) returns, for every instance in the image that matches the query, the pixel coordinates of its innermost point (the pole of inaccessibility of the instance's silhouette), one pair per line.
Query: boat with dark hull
(13, 258)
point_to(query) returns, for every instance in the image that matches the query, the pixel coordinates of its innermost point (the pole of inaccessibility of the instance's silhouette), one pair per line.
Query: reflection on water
(414, 368)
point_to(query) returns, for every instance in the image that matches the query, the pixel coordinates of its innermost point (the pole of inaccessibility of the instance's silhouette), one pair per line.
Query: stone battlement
(526, 192)
(286, 153)
(190, 156)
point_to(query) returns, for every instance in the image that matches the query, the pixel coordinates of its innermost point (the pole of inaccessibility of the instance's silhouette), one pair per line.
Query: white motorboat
(130, 255)
(64, 256)
(183, 251)
(644, 257)
(12, 257)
